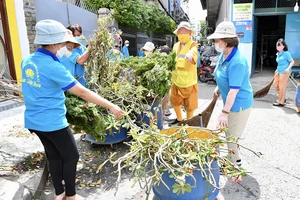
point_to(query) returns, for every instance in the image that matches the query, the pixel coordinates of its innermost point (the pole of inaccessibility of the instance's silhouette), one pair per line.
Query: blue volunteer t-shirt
(79, 69)
(125, 52)
(283, 59)
(44, 80)
(68, 64)
(234, 73)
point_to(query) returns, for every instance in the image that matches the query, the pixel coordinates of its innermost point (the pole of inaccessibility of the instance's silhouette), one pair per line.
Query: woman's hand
(117, 111)
(222, 121)
(216, 92)
(287, 71)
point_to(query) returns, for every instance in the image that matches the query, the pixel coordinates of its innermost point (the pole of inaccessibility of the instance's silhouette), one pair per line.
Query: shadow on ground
(248, 189)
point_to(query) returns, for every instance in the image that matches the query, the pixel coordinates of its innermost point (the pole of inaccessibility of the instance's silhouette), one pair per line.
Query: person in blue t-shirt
(125, 51)
(140, 52)
(65, 59)
(80, 54)
(44, 81)
(115, 53)
(285, 63)
(233, 82)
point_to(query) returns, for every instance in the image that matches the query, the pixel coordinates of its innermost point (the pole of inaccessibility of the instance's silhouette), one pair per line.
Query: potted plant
(178, 163)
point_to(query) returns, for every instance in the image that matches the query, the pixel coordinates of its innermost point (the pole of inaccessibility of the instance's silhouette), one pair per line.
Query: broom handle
(294, 82)
(200, 118)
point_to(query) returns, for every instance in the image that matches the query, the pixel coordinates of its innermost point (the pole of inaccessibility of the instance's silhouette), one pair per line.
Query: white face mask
(68, 54)
(115, 51)
(218, 49)
(127, 45)
(61, 52)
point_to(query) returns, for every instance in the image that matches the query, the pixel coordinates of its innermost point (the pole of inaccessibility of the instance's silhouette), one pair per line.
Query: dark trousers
(62, 155)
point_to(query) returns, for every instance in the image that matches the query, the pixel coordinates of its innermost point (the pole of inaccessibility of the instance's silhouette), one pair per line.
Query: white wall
(22, 29)
(225, 11)
(246, 50)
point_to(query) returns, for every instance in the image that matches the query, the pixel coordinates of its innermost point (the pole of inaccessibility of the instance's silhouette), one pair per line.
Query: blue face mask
(81, 39)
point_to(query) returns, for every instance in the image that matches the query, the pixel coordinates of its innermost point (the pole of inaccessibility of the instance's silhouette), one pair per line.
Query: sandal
(278, 104)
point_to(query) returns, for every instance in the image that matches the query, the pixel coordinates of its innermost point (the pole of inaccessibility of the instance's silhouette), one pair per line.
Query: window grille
(242, 1)
(274, 5)
(270, 5)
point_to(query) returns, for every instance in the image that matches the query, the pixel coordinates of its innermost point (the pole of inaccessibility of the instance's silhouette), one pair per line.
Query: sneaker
(175, 121)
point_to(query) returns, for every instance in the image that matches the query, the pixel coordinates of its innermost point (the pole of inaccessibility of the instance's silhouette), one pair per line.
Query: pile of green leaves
(102, 76)
(138, 15)
(152, 72)
(85, 116)
(96, 120)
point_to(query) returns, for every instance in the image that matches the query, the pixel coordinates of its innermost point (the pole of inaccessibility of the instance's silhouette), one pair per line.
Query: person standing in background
(125, 51)
(148, 48)
(184, 89)
(285, 63)
(65, 59)
(80, 54)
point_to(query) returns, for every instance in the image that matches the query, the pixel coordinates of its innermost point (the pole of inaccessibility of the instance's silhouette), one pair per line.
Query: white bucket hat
(51, 32)
(149, 46)
(126, 42)
(225, 29)
(185, 25)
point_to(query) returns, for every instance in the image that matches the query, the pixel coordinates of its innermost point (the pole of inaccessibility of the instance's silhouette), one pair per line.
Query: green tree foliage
(137, 15)
(203, 28)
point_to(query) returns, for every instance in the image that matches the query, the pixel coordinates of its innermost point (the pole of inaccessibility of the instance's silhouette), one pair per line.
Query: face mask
(61, 52)
(115, 51)
(81, 39)
(218, 49)
(183, 38)
(127, 45)
(68, 54)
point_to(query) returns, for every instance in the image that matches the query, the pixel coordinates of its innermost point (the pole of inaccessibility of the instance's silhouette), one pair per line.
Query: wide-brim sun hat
(149, 46)
(73, 40)
(185, 25)
(49, 31)
(225, 29)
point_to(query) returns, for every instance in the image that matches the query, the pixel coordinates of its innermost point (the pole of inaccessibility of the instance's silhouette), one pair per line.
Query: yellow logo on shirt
(29, 73)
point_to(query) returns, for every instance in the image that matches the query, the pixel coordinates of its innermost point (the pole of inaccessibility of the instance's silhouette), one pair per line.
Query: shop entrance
(269, 30)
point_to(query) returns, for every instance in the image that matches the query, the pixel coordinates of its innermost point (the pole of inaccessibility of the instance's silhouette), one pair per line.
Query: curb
(9, 104)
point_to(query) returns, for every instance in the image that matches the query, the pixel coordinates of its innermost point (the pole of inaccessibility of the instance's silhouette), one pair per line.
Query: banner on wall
(242, 18)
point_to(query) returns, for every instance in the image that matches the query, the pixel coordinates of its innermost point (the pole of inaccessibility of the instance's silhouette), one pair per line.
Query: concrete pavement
(273, 131)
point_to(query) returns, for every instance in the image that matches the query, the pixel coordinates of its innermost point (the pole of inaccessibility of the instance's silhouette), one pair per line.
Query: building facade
(259, 25)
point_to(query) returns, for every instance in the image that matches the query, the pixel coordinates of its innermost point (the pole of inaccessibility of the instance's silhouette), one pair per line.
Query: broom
(203, 118)
(264, 91)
